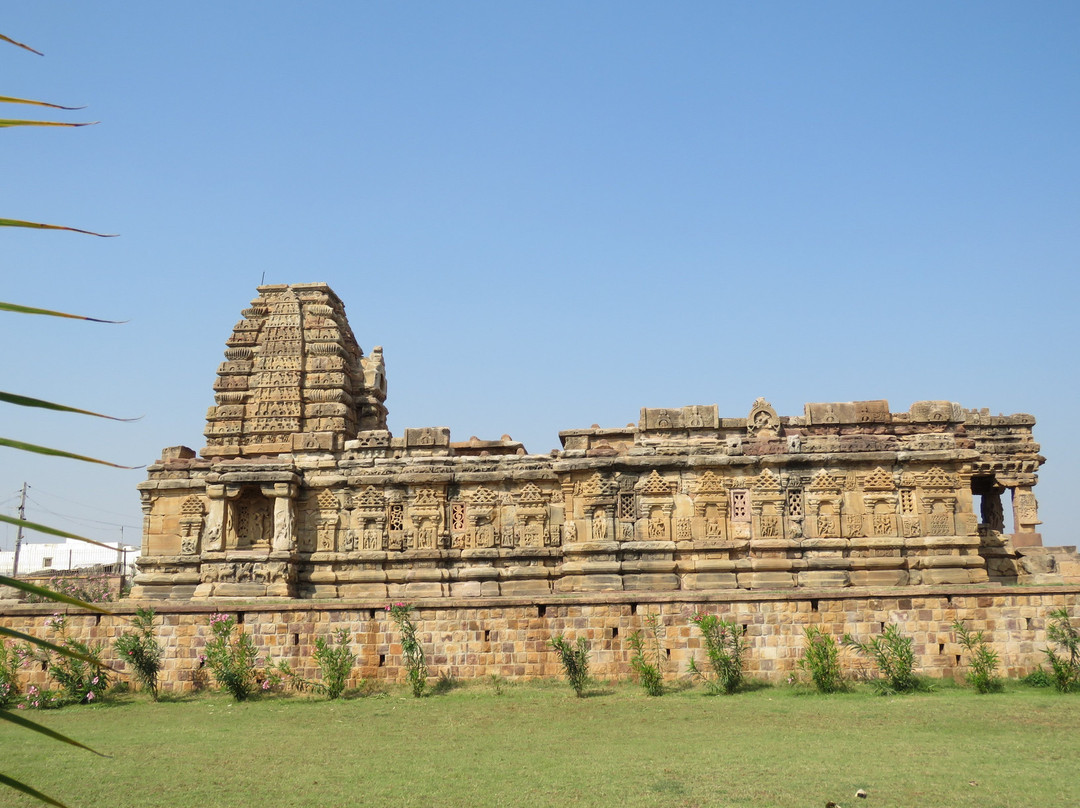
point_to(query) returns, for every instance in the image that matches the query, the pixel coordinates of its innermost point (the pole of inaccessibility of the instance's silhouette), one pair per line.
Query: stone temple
(301, 491)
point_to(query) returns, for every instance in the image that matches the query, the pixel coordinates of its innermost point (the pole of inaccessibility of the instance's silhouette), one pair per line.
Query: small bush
(12, 659)
(648, 660)
(821, 660)
(93, 589)
(1065, 668)
(140, 650)
(725, 646)
(232, 659)
(575, 661)
(335, 660)
(412, 652)
(893, 655)
(82, 679)
(1038, 678)
(982, 660)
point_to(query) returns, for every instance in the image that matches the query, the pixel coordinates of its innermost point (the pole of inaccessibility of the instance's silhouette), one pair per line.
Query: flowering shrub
(233, 659)
(411, 651)
(724, 647)
(141, 651)
(37, 699)
(92, 589)
(82, 679)
(12, 658)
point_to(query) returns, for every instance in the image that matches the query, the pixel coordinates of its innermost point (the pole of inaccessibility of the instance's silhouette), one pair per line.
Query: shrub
(82, 677)
(335, 660)
(725, 646)
(12, 659)
(1038, 678)
(982, 660)
(821, 660)
(412, 652)
(894, 658)
(1066, 668)
(649, 657)
(575, 661)
(140, 650)
(94, 589)
(232, 659)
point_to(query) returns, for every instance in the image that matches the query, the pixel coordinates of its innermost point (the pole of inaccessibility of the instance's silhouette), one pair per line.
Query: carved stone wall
(301, 491)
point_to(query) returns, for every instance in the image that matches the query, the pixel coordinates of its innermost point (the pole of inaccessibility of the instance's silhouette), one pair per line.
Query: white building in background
(35, 557)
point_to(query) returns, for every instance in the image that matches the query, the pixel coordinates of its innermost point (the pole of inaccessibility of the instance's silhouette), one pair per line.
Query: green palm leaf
(26, 401)
(18, 309)
(20, 122)
(41, 591)
(8, 99)
(45, 450)
(40, 226)
(50, 646)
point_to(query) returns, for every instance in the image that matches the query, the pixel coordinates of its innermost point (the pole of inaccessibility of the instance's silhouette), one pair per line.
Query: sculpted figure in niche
(284, 524)
(599, 525)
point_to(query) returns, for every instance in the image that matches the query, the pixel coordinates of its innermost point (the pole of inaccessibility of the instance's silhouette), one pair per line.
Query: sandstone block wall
(472, 638)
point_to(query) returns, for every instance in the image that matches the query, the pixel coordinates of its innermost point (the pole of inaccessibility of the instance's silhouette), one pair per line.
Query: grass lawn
(537, 745)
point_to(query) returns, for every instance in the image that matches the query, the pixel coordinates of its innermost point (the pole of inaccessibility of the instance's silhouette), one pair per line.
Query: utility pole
(18, 534)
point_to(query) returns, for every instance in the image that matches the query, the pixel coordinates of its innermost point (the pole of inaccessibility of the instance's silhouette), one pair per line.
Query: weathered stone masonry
(471, 638)
(301, 491)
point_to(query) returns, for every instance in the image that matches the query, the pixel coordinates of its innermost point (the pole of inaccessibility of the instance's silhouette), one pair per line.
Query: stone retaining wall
(473, 638)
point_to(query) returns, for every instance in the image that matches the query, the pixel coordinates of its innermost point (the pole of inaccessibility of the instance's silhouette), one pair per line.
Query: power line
(70, 501)
(82, 520)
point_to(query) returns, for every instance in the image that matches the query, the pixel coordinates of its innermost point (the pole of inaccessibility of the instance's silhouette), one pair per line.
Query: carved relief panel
(326, 523)
(191, 525)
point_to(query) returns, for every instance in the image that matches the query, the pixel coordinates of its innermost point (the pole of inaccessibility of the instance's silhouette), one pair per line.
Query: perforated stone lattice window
(794, 503)
(457, 516)
(626, 506)
(396, 518)
(740, 506)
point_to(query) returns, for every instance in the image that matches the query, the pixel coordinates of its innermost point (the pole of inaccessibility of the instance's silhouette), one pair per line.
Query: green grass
(538, 745)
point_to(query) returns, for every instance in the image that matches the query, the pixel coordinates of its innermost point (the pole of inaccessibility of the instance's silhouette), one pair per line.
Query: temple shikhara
(302, 491)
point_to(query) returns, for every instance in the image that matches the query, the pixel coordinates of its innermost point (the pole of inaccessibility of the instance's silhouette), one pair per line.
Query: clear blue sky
(549, 214)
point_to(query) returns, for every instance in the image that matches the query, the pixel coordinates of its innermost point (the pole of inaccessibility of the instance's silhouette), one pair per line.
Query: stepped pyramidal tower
(302, 491)
(293, 377)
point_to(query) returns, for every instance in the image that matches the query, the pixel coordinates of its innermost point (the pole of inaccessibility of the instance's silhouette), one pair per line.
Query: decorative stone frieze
(302, 491)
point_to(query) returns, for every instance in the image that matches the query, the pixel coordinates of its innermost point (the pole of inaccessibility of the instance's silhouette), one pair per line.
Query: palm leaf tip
(43, 226)
(27, 401)
(19, 45)
(16, 308)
